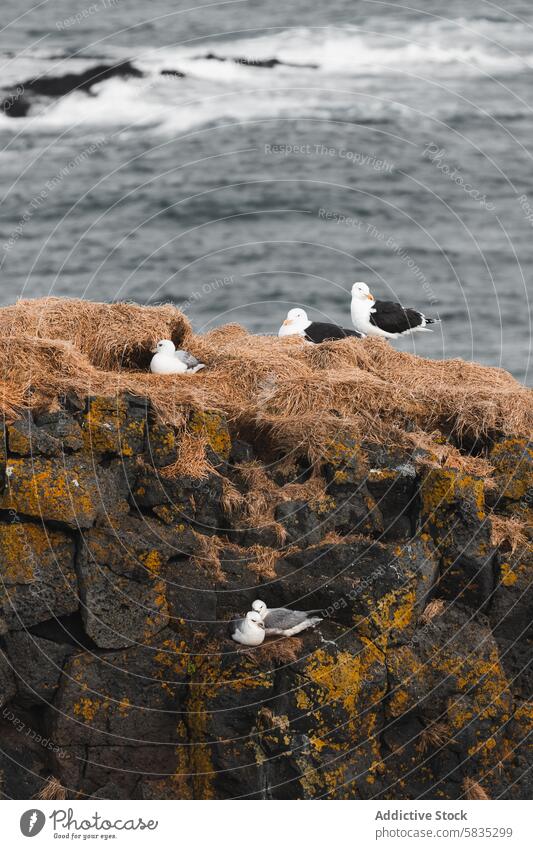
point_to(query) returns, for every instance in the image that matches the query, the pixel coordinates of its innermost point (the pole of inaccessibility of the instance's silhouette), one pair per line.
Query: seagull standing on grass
(298, 324)
(384, 318)
(280, 621)
(167, 360)
(249, 631)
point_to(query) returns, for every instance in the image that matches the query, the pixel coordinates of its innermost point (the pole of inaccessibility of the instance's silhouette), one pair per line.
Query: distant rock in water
(17, 104)
(170, 73)
(255, 63)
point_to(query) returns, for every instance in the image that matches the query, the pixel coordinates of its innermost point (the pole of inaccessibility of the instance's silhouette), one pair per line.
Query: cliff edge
(139, 513)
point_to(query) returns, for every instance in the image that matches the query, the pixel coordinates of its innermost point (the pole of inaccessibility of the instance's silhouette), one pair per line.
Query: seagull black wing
(319, 331)
(393, 318)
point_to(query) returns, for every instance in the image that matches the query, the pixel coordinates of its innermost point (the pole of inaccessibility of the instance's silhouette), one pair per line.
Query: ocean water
(384, 143)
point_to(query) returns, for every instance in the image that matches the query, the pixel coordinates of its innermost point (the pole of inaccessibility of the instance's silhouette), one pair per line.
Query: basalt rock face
(119, 574)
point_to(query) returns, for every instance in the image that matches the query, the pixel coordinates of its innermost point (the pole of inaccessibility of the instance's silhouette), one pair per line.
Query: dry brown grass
(191, 460)
(280, 651)
(508, 532)
(289, 395)
(263, 560)
(232, 501)
(111, 336)
(434, 608)
(473, 790)
(52, 789)
(434, 736)
(257, 505)
(207, 555)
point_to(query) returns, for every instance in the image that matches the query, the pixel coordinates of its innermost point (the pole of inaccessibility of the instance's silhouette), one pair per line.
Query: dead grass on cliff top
(286, 393)
(508, 532)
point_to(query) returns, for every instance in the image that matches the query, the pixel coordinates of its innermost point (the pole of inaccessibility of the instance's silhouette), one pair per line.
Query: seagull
(298, 324)
(167, 360)
(284, 622)
(249, 631)
(384, 318)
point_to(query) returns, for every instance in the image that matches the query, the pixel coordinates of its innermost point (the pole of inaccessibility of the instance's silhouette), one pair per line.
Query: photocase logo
(32, 822)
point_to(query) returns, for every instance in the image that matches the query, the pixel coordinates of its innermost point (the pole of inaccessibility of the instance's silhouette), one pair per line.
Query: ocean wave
(301, 72)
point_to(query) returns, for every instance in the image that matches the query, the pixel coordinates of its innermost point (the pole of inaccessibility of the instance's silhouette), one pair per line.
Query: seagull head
(259, 606)
(253, 618)
(164, 346)
(296, 318)
(361, 292)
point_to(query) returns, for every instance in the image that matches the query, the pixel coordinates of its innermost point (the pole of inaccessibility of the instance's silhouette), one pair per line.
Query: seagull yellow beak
(370, 297)
(287, 321)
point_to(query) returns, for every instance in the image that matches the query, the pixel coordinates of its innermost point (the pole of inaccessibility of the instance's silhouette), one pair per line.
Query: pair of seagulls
(370, 317)
(260, 622)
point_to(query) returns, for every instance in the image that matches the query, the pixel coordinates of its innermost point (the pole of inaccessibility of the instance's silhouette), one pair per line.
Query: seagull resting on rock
(249, 631)
(280, 621)
(298, 324)
(167, 360)
(384, 318)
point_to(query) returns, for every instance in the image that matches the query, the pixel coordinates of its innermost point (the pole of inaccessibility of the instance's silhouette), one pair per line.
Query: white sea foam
(350, 61)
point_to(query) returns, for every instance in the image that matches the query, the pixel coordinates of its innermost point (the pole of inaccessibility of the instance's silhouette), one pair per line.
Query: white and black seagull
(384, 318)
(297, 324)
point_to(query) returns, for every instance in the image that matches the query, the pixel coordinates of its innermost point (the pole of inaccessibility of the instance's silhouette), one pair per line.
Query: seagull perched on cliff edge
(249, 631)
(167, 360)
(384, 318)
(298, 324)
(284, 622)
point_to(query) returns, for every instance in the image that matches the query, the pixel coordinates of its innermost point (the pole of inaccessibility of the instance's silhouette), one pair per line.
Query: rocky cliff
(128, 539)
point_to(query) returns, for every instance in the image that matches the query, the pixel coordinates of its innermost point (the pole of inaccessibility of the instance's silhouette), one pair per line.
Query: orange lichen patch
(19, 442)
(342, 678)
(509, 576)
(213, 428)
(172, 661)
(344, 690)
(513, 461)
(151, 560)
(393, 612)
(86, 708)
(23, 547)
(211, 679)
(37, 487)
(124, 707)
(441, 487)
(408, 673)
(162, 441)
(347, 459)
